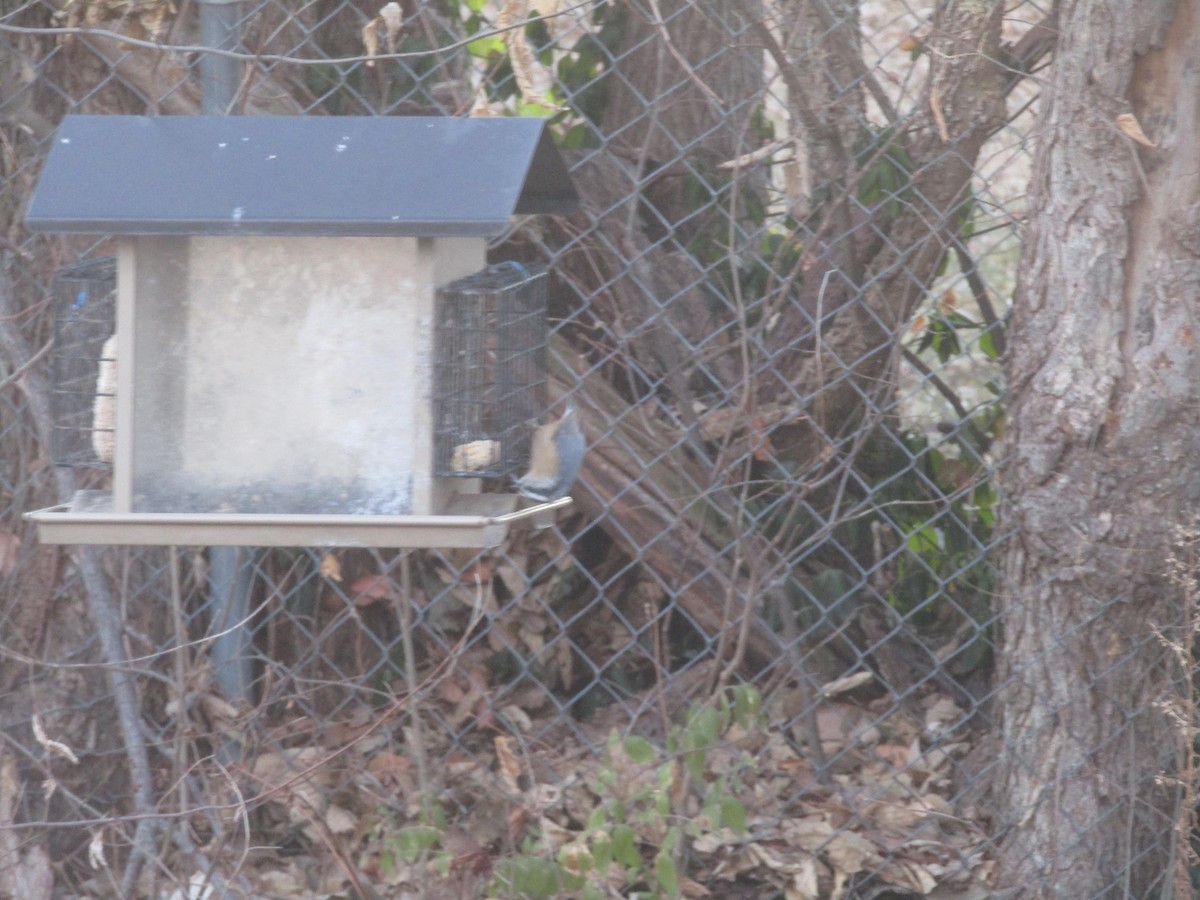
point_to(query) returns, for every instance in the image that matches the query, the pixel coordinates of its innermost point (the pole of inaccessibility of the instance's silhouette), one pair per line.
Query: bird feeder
(306, 346)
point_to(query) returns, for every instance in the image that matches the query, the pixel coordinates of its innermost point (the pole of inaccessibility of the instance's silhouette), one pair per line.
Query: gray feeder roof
(338, 175)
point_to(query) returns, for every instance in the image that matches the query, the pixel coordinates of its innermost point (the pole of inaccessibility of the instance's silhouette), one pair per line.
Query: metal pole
(230, 572)
(230, 569)
(219, 75)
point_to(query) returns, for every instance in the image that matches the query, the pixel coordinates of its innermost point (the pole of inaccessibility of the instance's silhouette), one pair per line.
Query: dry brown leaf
(843, 723)
(1132, 128)
(57, 747)
(941, 713)
(849, 683)
(509, 765)
(850, 853)
(370, 588)
(533, 640)
(935, 104)
(566, 25)
(760, 440)
(810, 832)
(448, 690)
(278, 775)
(222, 715)
(712, 841)
(278, 882)
(517, 718)
(340, 820)
(805, 884)
(370, 39)
(389, 767)
(152, 15)
(527, 71)
(392, 17)
(767, 855)
(514, 580)
(908, 875)
(331, 567)
(95, 853)
(895, 754)
(896, 818)
(471, 702)
(459, 763)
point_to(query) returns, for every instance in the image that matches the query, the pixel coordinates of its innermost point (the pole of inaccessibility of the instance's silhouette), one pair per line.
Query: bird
(555, 458)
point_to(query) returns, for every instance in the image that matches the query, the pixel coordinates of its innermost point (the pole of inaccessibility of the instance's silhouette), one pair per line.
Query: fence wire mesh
(754, 658)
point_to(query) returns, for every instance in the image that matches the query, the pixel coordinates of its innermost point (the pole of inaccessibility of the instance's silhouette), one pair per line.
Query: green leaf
(664, 872)
(987, 343)
(925, 541)
(640, 750)
(705, 727)
(602, 852)
(412, 842)
(528, 110)
(662, 797)
(486, 47)
(747, 705)
(672, 742)
(662, 804)
(443, 862)
(597, 819)
(575, 138)
(733, 814)
(664, 863)
(624, 847)
(961, 321)
(575, 859)
(532, 877)
(697, 762)
(702, 733)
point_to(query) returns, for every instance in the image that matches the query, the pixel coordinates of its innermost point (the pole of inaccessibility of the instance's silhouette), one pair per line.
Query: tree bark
(687, 86)
(1103, 446)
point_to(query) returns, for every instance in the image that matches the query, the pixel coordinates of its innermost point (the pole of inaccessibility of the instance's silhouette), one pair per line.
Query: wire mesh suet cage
(489, 369)
(83, 364)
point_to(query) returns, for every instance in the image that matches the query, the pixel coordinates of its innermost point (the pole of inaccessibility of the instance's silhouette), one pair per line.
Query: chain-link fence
(754, 658)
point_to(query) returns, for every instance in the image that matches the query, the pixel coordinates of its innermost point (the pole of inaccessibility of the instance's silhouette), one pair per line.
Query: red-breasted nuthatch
(555, 459)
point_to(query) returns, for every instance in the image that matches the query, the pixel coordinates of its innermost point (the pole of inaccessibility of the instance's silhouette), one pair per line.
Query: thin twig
(979, 292)
(932, 377)
(416, 735)
(24, 367)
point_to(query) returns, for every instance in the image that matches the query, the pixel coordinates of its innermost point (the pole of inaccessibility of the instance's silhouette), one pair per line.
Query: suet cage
(489, 370)
(83, 364)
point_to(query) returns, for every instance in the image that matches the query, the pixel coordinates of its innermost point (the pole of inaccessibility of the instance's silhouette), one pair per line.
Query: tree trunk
(686, 90)
(1103, 446)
